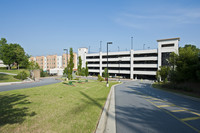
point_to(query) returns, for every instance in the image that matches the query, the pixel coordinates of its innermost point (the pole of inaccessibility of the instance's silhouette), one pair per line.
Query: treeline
(82, 71)
(184, 67)
(13, 54)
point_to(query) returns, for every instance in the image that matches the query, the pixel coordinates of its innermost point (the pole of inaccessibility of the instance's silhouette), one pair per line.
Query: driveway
(42, 82)
(143, 109)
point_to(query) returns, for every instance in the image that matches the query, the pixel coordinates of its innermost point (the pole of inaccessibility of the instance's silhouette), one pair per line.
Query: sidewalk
(107, 122)
(21, 82)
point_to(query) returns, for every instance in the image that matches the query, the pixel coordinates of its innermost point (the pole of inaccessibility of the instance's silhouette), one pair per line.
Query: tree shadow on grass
(89, 101)
(4, 77)
(13, 109)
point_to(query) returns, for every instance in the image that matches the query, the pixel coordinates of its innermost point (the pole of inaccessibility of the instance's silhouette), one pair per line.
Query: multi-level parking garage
(131, 64)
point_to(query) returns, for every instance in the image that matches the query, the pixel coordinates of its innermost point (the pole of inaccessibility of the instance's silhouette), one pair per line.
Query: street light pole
(67, 61)
(119, 69)
(100, 46)
(143, 46)
(131, 42)
(107, 63)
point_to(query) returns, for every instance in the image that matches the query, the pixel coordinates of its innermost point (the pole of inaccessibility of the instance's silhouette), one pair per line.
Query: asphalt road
(142, 109)
(44, 81)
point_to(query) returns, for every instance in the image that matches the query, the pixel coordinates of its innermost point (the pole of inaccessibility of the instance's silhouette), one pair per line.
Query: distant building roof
(168, 39)
(82, 47)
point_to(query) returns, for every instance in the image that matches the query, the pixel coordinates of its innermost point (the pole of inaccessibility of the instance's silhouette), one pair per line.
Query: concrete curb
(13, 83)
(7, 73)
(185, 96)
(104, 116)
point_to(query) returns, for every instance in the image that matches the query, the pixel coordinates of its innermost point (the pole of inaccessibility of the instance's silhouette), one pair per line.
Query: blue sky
(45, 27)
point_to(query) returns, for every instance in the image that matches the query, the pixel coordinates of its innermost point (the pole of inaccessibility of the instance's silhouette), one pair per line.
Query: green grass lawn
(14, 71)
(53, 108)
(7, 78)
(159, 86)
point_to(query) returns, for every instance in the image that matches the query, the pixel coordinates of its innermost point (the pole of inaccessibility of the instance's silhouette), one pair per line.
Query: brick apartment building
(54, 62)
(64, 60)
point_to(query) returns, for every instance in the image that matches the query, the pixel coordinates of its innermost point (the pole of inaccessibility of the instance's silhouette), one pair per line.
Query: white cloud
(173, 17)
(127, 23)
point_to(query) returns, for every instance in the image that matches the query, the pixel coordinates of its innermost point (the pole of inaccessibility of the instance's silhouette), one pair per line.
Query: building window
(168, 45)
(165, 59)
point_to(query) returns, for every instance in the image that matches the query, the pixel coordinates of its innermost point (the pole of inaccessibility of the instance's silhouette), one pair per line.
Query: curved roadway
(143, 109)
(42, 82)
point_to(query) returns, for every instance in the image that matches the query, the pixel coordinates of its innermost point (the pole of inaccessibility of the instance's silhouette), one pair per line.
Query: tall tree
(2, 42)
(12, 53)
(187, 64)
(8, 55)
(20, 55)
(79, 65)
(71, 63)
(86, 69)
(164, 72)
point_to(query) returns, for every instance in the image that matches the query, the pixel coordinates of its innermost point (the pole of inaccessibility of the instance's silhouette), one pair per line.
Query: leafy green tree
(22, 75)
(83, 71)
(20, 56)
(43, 73)
(187, 64)
(164, 72)
(173, 60)
(12, 53)
(2, 42)
(32, 65)
(100, 79)
(65, 72)
(8, 56)
(25, 61)
(86, 69)
(158, 76)
(105, 73)
(71, 63)
(79, 65)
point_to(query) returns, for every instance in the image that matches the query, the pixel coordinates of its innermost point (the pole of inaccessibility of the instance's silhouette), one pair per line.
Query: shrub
(105, 73)
(43, 73)
(22, 75)
(86, 80)
(77, 78)
(100, 78)
(79, 81)
(70, 83)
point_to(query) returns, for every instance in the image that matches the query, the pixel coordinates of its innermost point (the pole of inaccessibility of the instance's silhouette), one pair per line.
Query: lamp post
(143, 46)
(131, 42)
(119, 69)
(100, 46)
(67, 61)
(107, 63)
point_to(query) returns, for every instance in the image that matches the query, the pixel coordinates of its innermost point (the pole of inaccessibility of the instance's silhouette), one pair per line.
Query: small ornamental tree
(71, 63)
(79, 65)
(86, 69)
(164, 72)
(105, 73)
(83, 71)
